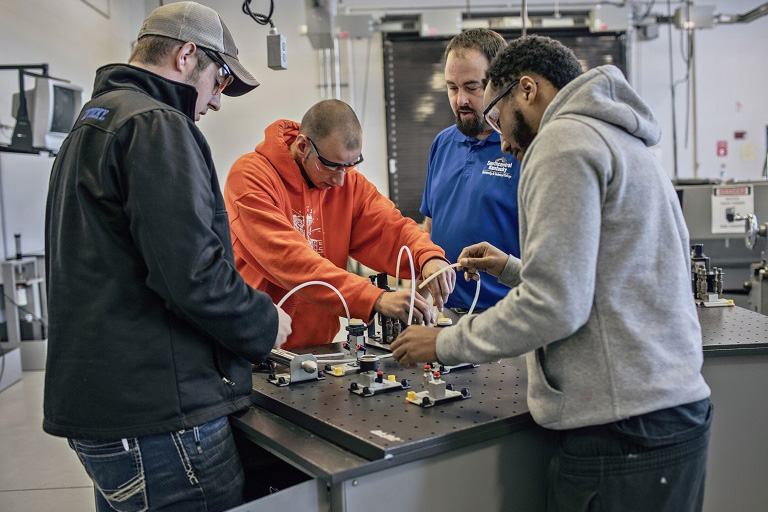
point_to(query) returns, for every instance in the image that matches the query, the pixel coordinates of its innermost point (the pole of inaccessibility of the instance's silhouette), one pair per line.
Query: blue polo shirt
(471, 196)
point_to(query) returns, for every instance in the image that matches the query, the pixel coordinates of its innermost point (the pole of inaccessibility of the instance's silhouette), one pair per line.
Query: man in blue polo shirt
(471, 191)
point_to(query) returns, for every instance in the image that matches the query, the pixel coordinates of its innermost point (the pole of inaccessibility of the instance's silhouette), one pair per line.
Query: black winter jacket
(151, 328)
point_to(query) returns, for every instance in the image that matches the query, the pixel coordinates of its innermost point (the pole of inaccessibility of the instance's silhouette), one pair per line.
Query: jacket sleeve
(379, 230)
(178, 222)
(561, 202)
(270, 243)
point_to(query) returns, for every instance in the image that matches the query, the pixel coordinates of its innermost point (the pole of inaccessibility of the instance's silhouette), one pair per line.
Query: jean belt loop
(196, 431)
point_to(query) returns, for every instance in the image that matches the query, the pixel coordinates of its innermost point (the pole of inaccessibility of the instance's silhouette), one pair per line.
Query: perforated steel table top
(385, 425)
(733, 331)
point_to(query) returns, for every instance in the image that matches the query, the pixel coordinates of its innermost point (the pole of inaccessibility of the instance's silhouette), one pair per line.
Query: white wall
(240, 124)
(730, 79)
(75, 39)
(287, 94)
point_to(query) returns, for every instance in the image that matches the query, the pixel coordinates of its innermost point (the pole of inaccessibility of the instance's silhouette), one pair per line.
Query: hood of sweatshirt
(603, 93)
(276, 147)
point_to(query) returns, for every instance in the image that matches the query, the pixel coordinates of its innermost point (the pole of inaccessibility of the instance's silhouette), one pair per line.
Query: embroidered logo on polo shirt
(499, 167)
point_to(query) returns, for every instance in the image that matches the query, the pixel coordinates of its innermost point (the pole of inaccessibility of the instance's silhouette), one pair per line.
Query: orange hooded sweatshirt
(285, 233)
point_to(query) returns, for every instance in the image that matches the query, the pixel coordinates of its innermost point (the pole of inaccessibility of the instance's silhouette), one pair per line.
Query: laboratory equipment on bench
(707, 281)
(301, 367)
(436, 390)
(752, 228)
(384, 329)
(757, 286)
(370, 379)
(354, 349)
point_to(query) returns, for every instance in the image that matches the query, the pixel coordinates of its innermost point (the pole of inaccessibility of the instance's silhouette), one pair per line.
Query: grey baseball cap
(190, 21)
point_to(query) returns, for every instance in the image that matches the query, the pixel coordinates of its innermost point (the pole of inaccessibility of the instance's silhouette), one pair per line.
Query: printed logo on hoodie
(303, 224)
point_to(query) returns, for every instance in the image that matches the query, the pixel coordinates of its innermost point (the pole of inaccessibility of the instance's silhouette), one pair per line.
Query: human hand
(283, 327)
(416, 344)
(397, 305)
(441, 286)
(482, 256)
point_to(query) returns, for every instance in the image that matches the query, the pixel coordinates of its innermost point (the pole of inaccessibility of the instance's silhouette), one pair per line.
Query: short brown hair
(328, 116)
(485, 41)
(155, 49)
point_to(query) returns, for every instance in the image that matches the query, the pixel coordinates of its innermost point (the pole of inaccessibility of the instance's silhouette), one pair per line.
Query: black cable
(2, 362)
(736, 291)
(647, 11)
(261, 19)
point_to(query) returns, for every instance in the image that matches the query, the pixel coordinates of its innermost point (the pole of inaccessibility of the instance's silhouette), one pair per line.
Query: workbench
(736, 368)
(483, 453)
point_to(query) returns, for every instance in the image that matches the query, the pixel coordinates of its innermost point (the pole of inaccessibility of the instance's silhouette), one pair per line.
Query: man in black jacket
(152, 330)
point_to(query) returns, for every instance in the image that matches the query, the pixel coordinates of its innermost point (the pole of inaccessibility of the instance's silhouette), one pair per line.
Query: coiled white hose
(323, 283)
(413, 278)
(454, 265)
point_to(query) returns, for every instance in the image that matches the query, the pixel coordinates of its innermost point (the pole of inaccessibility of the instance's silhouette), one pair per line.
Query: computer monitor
(52, 108)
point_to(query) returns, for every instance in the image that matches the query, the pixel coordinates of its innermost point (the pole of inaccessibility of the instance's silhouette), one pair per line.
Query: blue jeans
(195, 469)
(655, 462)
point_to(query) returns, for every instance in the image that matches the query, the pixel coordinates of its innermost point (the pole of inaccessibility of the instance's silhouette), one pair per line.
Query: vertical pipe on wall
(336, 69)
(2, 211)
(524, 15)
(321, 68)
(328, 74)
(694, 116)
(351, 73)
(672, 91)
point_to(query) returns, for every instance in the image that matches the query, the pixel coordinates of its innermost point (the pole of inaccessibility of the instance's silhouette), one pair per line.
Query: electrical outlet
(277, 51)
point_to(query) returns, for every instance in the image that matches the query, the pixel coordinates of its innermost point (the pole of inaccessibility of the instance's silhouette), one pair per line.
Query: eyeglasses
(334, 166)
(491, 113)
(224, 76)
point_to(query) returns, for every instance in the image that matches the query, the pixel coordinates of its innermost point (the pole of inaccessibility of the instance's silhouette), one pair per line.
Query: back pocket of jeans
(117, 474)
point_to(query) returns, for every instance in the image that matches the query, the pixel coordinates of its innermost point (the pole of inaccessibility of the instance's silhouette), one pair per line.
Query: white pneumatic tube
(413, 278)
(322, 283)
(454, 265)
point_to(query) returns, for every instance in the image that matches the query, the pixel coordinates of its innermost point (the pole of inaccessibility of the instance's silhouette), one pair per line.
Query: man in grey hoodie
(601, 296)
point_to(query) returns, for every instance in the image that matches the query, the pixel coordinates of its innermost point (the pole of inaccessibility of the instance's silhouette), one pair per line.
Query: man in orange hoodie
(298, 208)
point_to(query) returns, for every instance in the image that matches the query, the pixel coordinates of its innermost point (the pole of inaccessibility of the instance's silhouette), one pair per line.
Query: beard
(471, 127)
(523, 134)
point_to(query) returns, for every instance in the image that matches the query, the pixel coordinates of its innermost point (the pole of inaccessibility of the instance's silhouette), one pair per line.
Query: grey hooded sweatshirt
(601, 298)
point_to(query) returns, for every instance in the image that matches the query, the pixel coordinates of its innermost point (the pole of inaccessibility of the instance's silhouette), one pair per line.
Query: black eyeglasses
(334, 166)
(491, 113)
(224, 76)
